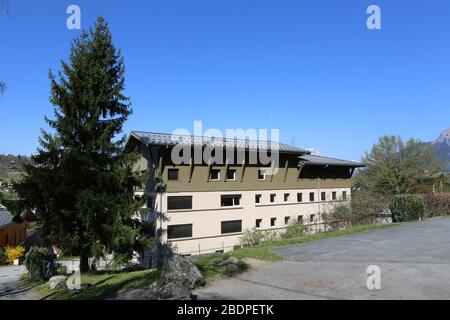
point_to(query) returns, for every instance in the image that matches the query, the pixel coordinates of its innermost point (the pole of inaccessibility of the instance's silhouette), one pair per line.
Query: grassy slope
(104, 285)
(209, 264)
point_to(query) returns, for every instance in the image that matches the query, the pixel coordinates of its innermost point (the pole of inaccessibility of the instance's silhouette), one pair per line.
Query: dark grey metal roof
(6, 218)
(152, 138)
(323, 161)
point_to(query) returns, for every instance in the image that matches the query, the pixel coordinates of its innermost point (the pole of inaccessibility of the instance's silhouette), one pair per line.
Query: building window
(272, 197)
(311, 196)
(299, 197)
(231, 175)
(230, 200)
(261, 174)
(334, 195)
(286, 220)
(172, 174)
(258, 223)
(231, 226)
(215, 175)
(286, 197)
(300, 218)
(273, 221)
(311, 217)
(344, 195)
(179, 231)
(258, 198)
(179, 203)
(323, 196)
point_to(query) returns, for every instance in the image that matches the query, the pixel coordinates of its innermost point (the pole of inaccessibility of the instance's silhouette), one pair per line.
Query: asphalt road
(11, 288)
(413, 259)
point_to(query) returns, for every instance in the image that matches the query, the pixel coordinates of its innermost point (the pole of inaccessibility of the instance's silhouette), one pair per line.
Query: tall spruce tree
(81, 183)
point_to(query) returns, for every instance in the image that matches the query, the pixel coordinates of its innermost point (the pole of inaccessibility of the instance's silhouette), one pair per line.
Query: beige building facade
(205, 207)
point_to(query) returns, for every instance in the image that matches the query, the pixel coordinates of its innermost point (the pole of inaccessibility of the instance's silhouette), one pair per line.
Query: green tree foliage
(81, 183)
(407, 207)
(396, 167)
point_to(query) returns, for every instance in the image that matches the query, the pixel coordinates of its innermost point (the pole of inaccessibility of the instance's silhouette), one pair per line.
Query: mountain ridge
(442, 147)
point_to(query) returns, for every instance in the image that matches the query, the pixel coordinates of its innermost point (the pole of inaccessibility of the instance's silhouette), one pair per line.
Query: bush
(2, 257)
(364, 208)
(438, 204)
(39, 263)
(254, 237)
(13, 253)
(294, 230)
(407, 207)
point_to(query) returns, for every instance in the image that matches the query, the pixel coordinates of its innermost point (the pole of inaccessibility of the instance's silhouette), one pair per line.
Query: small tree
(395, 167)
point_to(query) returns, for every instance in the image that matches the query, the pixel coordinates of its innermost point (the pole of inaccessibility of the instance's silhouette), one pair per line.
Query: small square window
(172, 174)
(334, 195)
(311, 217)
(273, 221)
(311, 196)
(261, 174)
(286, 197)
(286, 220)
(323, 196)
(215, 175)
(231, 175)
(299, 197)
(258, 223)
(300, 218)
(272, 197)
(258, 198)
(344, 195)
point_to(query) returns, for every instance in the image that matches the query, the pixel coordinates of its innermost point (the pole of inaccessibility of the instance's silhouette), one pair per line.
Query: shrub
(2, 257)
(438, 204)
(294, 230)
(364, 208)
(254, 236)
(13, 253)
(39, 263)
(407, 207)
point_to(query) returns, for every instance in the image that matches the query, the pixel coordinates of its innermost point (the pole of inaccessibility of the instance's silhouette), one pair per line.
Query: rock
(230, 260)
(178, 267)
(232, 269)
(57, 282)
(178, 277)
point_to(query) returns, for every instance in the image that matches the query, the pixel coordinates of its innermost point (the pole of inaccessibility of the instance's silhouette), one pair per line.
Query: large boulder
(58, 282)
(178, 278)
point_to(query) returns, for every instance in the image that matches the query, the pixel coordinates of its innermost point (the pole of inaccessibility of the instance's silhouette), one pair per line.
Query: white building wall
(207, 214)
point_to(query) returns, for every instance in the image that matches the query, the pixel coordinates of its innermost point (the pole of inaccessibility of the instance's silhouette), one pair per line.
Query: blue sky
(310, 68)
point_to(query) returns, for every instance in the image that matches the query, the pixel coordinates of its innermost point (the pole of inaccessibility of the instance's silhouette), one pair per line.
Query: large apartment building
(204, 207)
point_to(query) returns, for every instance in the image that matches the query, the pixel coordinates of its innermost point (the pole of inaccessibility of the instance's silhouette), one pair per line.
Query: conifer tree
(81, 182)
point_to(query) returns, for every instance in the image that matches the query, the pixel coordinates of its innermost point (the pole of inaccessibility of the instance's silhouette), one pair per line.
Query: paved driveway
(414, 260)
(11, 288)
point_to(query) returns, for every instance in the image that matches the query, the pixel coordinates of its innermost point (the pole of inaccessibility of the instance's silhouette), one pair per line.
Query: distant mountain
(442, 147)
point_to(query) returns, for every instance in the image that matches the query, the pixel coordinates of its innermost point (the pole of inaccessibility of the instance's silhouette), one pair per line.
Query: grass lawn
(209, 265)
(103, 285)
